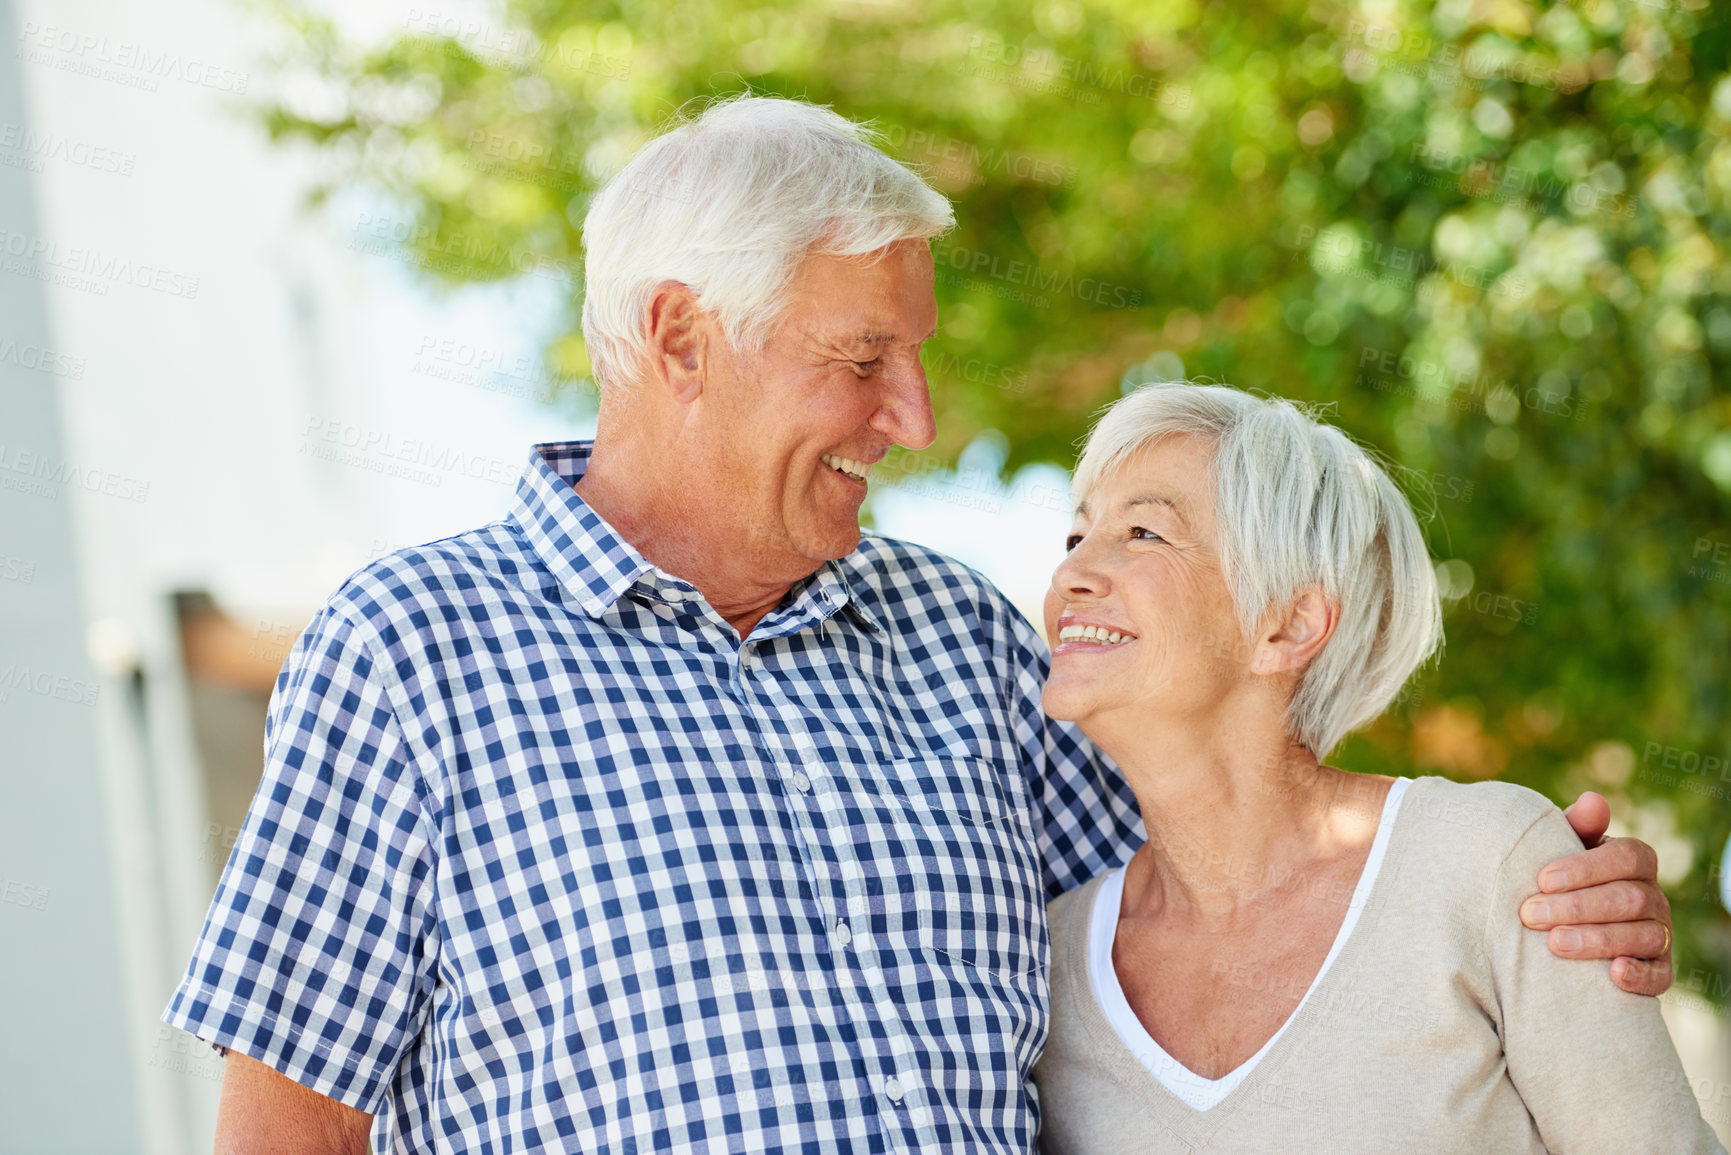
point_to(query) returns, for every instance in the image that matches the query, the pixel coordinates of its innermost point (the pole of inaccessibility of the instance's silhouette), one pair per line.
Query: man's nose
(905, 414)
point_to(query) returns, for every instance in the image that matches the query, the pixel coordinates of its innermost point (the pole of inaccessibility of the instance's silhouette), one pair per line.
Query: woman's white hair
(1298, 503)
(728, 204)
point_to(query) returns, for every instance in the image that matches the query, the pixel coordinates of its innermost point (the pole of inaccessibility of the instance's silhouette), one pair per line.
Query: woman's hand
(1605, 902)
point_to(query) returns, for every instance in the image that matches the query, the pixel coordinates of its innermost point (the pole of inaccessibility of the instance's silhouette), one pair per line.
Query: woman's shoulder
(1484, 830)
(1497, 813)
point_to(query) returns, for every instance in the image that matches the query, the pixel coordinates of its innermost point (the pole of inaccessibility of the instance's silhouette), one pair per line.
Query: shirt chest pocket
(956, 871)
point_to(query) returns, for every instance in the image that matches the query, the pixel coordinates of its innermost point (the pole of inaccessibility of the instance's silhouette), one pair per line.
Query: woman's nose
(1079, 574)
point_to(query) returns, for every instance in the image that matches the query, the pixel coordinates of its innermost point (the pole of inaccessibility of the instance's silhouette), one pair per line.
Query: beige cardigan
(1442, 1026)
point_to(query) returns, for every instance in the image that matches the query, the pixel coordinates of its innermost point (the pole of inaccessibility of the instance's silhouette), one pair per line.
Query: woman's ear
(1292, 643)
(678, 345)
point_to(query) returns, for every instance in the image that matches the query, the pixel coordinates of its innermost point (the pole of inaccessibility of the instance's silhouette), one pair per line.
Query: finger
(1636, 940)
(1590, 816)
(1609, 902)
(1641, 977)
(1615, 858)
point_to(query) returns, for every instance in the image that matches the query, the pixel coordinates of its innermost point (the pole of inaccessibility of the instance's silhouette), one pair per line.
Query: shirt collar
(591, 561)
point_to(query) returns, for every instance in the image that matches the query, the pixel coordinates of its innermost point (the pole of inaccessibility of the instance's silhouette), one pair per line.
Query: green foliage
(1487, 234)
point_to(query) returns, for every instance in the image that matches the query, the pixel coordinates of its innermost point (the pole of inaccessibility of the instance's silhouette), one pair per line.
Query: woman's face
(1144, 567)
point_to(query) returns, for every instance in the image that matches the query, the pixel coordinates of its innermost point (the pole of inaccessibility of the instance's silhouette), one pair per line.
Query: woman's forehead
(1171, 472)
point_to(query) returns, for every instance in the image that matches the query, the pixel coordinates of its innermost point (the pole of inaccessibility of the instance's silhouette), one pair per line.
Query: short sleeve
(1594, 1064)
(317, 955)
(1085, 814)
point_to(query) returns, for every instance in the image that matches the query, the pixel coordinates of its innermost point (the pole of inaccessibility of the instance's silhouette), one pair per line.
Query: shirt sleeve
(317, 955)
(1085, 816)
(1594, 1064)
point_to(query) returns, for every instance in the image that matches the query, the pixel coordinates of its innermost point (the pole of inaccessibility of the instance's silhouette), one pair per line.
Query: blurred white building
(213, 407)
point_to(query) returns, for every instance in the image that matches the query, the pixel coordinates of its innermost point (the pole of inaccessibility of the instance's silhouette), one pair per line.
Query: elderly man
(671, 812)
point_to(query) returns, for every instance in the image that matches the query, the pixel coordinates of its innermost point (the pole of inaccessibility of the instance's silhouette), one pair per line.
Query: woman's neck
(1238, 816)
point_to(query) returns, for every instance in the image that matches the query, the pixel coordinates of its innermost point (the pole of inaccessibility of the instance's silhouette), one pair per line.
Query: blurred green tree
(1487, 233)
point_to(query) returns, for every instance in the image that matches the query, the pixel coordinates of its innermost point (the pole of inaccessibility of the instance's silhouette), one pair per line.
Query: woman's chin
(1064, 706)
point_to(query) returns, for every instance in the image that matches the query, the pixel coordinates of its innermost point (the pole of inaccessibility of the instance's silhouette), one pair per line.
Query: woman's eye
(1137, 531)
(1072, 542)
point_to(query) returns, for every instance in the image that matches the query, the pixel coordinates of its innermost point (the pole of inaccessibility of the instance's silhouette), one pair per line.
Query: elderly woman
(1301, 959)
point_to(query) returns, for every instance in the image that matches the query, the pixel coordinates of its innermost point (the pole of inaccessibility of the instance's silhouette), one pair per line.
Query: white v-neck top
(1195, 1090)
(1438, 1021)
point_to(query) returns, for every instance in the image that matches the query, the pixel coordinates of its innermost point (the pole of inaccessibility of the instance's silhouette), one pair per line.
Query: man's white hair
(729, 204)
(1298, 503)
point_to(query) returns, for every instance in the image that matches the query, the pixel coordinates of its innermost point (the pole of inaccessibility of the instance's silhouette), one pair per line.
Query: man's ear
(678, 341)
(1291, 643)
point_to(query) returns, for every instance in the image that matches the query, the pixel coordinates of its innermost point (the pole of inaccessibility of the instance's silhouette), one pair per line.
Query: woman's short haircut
(729, 203)
(1298, 503)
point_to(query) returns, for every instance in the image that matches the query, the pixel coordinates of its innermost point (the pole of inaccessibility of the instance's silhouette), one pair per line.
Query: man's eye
(1072, 542)
(867, 366)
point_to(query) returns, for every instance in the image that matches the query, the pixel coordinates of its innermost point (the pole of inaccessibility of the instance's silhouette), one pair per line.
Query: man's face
(793, 426)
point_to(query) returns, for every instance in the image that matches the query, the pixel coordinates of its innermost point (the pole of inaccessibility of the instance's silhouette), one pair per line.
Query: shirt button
(801, 783)
(893, 1090)
(844, 936)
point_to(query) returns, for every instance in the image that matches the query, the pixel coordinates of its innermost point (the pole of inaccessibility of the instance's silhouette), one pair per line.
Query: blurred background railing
(284, 287)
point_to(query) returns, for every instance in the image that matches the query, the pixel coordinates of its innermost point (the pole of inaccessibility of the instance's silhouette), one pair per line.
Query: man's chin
(831, 542)
(841, 542)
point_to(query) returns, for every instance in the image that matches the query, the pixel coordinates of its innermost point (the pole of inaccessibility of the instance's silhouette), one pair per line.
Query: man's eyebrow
(882, 337)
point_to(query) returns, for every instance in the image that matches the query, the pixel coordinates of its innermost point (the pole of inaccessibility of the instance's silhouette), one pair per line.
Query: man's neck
(640, 500)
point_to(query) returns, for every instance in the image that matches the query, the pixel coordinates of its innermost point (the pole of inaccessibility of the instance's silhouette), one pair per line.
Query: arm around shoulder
(1595, 1065)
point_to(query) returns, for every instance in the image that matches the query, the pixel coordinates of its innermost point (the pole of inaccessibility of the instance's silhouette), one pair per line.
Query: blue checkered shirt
(545, 858)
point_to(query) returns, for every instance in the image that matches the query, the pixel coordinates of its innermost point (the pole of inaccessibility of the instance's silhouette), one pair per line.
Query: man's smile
(858, 470)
